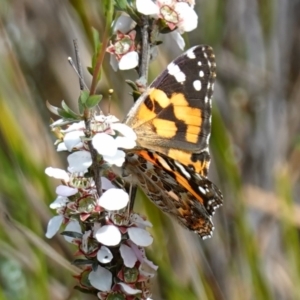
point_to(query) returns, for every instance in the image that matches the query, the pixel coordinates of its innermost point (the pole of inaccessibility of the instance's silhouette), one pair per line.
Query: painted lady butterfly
(172, 120)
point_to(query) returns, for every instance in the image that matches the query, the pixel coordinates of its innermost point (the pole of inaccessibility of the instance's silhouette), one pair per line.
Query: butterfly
(172, 121)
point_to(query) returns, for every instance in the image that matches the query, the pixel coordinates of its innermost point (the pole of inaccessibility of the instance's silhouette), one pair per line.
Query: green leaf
(84, 95)
(93, 101)
(96, 39)
(121, 4)
(53, 109)
(69, 111)
(82, 100)
(90, 70)
(65, 115)
(132, 84)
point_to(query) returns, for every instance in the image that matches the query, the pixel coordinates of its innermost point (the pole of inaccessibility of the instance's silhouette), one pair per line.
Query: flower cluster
(110, 239)
(169, 16)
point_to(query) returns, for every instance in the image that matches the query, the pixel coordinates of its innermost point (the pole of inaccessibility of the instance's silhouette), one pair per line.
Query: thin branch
(78, 63)
(145, 54)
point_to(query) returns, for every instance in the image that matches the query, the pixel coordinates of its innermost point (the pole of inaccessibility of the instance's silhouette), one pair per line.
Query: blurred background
(255, 249)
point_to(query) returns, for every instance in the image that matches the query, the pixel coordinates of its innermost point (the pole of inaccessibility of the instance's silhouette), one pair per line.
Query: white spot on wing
(197, 85)
(202, 190)
(201, 73)
(190, 53)
(207, 139)
(199, 63)
(175, 71)
(183, 170)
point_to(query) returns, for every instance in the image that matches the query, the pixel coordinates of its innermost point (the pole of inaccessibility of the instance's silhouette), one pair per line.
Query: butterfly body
(172, 120)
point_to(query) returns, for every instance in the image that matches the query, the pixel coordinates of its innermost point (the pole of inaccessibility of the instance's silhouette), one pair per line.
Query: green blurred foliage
(254, 253)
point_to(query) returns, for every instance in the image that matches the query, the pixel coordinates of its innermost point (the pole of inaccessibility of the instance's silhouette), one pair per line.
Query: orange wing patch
(200, 166)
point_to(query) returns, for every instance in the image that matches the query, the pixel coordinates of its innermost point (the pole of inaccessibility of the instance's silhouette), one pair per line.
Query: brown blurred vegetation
(254, 253)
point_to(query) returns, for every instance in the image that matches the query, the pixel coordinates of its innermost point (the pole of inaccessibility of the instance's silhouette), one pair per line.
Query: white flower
(85, 241)
(66, 191)
(73, 139)
(176, 36)
(113, 199)
(79, 161)
(129, 61)
(128, 256)
(53, 226)
(128, 289)
(106, 184)
(101, 279)
(147, 7)
(124, 24)
(125, 130)
(140, 237)
(57, 173)
(105, 144)
(79, 126)
(188, 17)
(59, 202)
(141, 256)
(72, 226)
(139, 221)
(117, 160)
(108, 146)
(108, 235)
(61, 147)
(104, 255)
(175, 13)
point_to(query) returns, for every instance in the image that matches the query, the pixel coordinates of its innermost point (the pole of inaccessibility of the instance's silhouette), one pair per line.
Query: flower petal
(101, 279)
(113, 199)
(189, 18)
(178, 39)
(53, 226)
(105, 144)
(128, 256)
(123, 24)
(79, 161)
(61, 147)
(59, 202)
(128, 289)
(129, 61)
(78, 126)
(117, 160)
(146, 7)
(57, 173)
(106, 184)
(104, 255)
(108, 235)
(140, 236)
(139, 221)
(66, 191)
(125, 143)
(125, 130)
(73, 139)
(72, 226)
